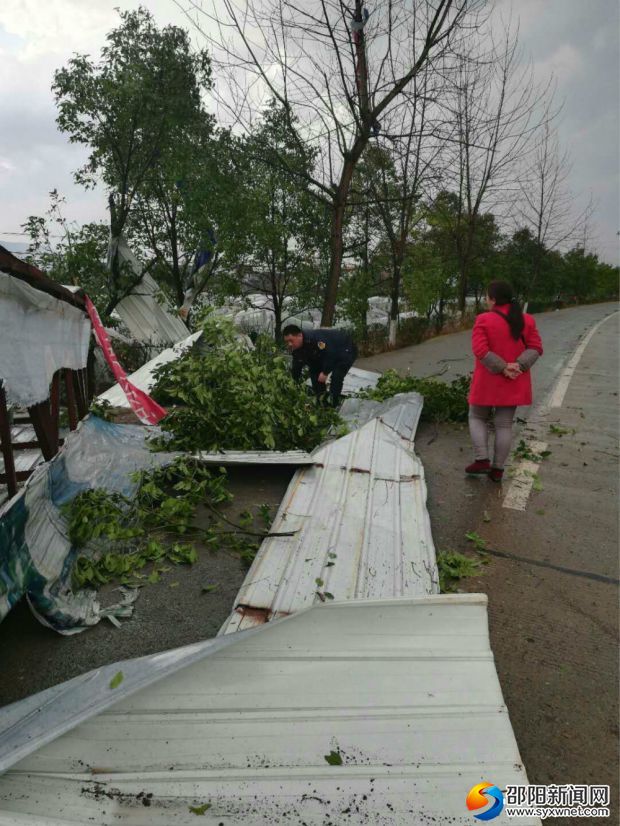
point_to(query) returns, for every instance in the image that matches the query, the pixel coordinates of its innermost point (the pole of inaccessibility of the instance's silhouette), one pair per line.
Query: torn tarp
(36, 556)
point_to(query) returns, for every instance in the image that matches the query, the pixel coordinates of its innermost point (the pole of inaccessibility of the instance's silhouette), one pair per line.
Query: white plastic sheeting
(144, 377)
(360, 523)
(38, 336)
(404, 691)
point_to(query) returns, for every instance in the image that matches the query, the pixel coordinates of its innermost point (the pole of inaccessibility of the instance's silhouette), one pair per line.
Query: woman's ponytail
(502, 293)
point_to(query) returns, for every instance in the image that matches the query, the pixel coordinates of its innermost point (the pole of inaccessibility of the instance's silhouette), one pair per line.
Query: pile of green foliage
(454, 566)
(443, 402)
(125, 535)
(230, 397)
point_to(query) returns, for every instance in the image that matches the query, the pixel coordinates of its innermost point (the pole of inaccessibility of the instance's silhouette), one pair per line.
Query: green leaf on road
(479, 543)
(208, 589)
(117, 679)
(334, 758)
(200, 810)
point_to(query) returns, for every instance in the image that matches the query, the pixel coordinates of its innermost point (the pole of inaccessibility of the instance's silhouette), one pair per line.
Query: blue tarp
(36, 557)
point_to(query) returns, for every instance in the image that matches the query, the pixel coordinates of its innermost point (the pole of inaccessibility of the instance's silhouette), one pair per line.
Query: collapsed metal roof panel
(401, 413)
(143, 378)
(403, 692)
(361, 530)
(357, 380)
(149, 319)
(255, 457)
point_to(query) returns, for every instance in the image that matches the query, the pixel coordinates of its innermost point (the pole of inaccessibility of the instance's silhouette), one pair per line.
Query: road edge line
(525, 471)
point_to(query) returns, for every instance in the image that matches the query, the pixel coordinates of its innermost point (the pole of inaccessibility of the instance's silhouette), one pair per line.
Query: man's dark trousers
(337, 374)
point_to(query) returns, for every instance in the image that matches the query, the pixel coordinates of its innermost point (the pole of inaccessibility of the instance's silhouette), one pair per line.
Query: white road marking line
(524, 474)
(525, 471)
(559, 391)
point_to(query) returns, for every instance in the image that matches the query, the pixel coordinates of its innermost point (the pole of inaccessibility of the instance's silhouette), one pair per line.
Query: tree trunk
(463, 284)
(393, 329)
(277, 320)
(336, 249)
(339, 205)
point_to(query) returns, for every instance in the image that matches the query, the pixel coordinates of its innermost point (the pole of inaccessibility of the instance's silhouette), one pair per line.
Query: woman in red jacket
(506, 345)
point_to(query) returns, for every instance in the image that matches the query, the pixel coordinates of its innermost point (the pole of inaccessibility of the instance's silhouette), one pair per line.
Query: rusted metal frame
(33, 445)
(47, 432)
(80, 384)
(71, 402)
(9, 477)
(55, 404)
(19, 476)
(12, 265)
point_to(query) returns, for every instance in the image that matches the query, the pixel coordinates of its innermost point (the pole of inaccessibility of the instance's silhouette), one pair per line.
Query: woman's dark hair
(502, 293)
(291, 330)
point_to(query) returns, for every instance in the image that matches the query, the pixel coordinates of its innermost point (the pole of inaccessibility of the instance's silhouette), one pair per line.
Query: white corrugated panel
(255, 457)
(149, 320)
(357, 380)
(361, 531)
(401, 413)
(404, 691)
(143, 378)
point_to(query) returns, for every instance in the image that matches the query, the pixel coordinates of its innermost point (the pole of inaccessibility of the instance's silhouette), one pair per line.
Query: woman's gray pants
(479, 416)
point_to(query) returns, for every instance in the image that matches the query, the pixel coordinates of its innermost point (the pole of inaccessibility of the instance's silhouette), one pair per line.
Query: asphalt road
(553, 612)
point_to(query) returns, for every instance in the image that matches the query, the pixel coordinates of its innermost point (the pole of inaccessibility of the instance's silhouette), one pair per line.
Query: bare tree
(340, 69)
(415, 138)
(499, 110)
(546, 207)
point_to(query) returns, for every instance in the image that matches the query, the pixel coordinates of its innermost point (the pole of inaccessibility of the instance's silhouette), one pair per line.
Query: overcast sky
(576, 40)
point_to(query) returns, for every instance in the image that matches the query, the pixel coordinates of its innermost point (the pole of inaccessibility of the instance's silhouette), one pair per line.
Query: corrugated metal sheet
(149, 320)
(357, 380)
(405, 691)
(361, 530)
(401, 413)
(143, 378)
(255, 457)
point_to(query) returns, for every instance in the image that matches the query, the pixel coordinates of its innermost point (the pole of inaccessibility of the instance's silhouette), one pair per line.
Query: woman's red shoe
(479, 467)
(496, 474)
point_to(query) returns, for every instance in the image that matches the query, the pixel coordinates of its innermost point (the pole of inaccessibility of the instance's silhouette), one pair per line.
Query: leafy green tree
(584, 277)
(520, 259)
(133, 108)
(367, 245)
(280, 227)
(69, 253)
(450, 233)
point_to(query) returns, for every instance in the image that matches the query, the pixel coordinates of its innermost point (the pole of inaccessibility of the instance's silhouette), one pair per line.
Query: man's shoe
(496, 474)
(478, 468)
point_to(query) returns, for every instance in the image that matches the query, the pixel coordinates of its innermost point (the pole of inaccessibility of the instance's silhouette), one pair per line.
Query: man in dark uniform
(324, 352)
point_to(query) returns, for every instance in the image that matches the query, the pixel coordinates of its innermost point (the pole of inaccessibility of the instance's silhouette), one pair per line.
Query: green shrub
(443, 402)
(229, 397)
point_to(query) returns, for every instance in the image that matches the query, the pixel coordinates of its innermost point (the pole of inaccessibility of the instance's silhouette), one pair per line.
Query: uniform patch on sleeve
(321, 345)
